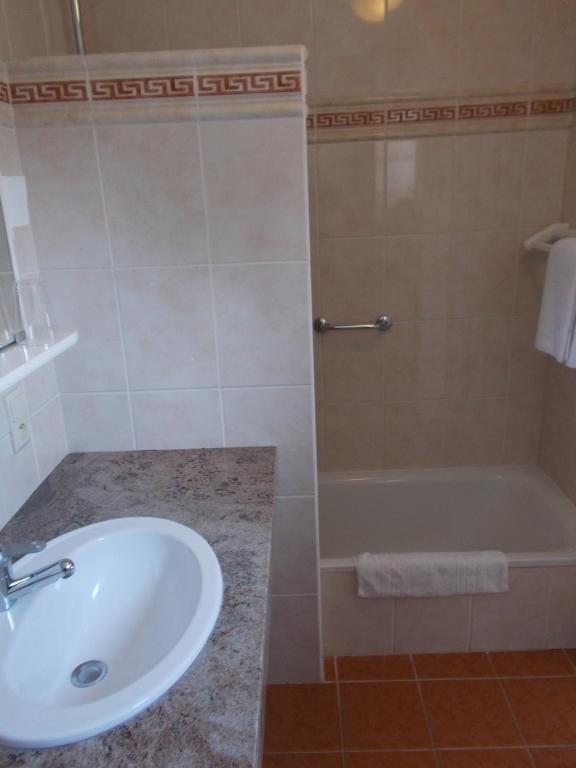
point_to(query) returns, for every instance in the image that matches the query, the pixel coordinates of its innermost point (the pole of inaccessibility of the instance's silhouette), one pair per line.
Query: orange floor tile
(454, 710)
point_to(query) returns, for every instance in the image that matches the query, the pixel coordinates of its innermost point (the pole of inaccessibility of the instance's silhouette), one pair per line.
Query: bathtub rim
(553, 558)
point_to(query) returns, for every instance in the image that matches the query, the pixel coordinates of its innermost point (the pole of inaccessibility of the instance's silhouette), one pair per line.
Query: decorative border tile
(249, 83)
(4, 92)
(484, 111)
(431, 114)
(48, 92)
(161, 87)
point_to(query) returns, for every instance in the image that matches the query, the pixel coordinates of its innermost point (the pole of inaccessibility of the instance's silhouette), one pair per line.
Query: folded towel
(431, 574)
(558, 311)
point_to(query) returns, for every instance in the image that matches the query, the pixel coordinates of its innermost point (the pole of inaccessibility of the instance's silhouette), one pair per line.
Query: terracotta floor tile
(554, 758)
(390, 760)
(572, 653)
(486, 758)
(302, 718)
(383, 716)
(329, 668)
(453, 665)
(469, 713)
(302, 761)
(375, 668)
(546, 709)
(531, 663)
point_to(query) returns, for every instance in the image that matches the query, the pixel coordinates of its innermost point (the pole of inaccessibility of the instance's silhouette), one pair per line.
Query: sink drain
(89, 673)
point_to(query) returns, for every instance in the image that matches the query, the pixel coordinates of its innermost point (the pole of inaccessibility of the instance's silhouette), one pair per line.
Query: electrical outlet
(17, 410)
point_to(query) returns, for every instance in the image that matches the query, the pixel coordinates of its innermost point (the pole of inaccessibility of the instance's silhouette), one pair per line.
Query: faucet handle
(15, 549)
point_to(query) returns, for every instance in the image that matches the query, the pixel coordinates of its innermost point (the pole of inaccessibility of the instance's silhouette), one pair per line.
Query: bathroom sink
(91, 651)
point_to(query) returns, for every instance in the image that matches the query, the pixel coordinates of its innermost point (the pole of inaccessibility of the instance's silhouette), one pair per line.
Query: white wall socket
(17, 410)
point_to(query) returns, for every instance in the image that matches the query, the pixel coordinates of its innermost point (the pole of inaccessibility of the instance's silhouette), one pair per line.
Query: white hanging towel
(558, 311)
(431, 574)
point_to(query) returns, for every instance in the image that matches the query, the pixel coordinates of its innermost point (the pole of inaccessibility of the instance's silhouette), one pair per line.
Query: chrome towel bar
(383, 323)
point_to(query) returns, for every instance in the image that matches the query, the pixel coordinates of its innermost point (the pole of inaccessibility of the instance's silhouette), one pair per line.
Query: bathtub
(517, 510)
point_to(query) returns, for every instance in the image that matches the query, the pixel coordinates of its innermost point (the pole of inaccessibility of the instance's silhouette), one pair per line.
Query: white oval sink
(143, 600)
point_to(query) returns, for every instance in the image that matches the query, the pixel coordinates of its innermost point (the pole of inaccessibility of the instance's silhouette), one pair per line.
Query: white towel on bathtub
(431, 574)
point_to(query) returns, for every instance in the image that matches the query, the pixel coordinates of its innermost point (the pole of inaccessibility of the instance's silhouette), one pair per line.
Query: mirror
(10, 320)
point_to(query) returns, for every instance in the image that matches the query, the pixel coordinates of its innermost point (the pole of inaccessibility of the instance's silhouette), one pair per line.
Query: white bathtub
(519, 511)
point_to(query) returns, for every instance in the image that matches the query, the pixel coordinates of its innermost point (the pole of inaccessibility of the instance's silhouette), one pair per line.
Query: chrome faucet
(11, 587)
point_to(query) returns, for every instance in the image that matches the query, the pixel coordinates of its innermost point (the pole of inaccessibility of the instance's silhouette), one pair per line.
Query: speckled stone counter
(210, 718)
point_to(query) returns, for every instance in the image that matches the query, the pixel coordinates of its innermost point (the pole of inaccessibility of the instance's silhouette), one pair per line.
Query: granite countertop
(211, 716)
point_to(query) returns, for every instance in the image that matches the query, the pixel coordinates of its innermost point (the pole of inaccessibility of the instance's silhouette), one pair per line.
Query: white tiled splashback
(179, 250)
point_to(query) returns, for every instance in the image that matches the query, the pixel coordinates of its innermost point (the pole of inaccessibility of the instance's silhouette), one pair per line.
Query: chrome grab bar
(383, 323)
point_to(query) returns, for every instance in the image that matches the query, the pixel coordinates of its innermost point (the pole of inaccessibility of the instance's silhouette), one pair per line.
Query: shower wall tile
(130, 25)
(543, 178)
(420, 177)
(352, 366)
(414, 361)
(251, 216)
(350, 278)
(161, 304)
(352, 188)
(263, 324)
(265, 23)
(415, 435)
(179, 419)
(504, 28)
(25, 28)
(64, 196)
(488, 179)
(474, 431)
(353, 436)
(477, 357)
(201, 24)
(153, 193)
(554, 56)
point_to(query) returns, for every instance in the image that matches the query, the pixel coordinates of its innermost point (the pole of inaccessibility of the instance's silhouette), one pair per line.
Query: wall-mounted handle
(383, 323)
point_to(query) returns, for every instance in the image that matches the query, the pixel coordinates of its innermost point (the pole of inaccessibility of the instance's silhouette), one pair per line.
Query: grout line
(425, 710)
(112, 268)
(340, 712)
(512, 712)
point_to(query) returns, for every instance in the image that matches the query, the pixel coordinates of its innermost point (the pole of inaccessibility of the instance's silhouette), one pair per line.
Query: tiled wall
(172, 233)
(429, 230)
(22, 472)
(558, 446)
(417, 46)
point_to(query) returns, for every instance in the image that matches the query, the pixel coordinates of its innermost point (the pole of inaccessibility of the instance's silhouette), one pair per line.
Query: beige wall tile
(420, 46)
(474, 431)
(528, 367)
(266, 23)
(543, 178)
(425, 625)
(414, 435)
(554, 55)
(496, 43)
(488, 180)
(513, 620)
(523, 429)
(416, 277)
(344, 42)
(312, 151)
(26, 28)
(353, 436)
(352, 366)
(131, 25)
(202, 24)
(477, 357)
(350, 279)
(352, 188)
(351, 625)
(531, 272)
(420, 174)
(569, 202)
(414, 360)
(481, 271)
(59, 27)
